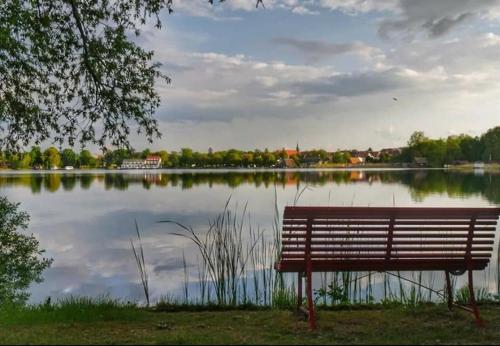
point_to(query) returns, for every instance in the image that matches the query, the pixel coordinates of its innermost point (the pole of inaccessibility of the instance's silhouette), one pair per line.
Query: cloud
(197, 8)
(360, 6)
(357, 84)
(435, 18)
(316, 49)
(443, 25)
(218, 11)
(472, 56)
(171, 265)
(299, 7)
(222, 87)
(304, 11)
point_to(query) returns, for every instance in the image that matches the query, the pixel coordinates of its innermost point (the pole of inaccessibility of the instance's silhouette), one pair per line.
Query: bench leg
(310, 300)
(299, 290)
(472, 301)
(449, 291)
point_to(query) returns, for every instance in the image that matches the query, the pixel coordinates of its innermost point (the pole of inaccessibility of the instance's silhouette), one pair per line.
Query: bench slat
(384, 235)
(396, 229)
(398, 213)
(383, 248)
(386, 222)
(286, 243)
(382, 255)
(380, 265)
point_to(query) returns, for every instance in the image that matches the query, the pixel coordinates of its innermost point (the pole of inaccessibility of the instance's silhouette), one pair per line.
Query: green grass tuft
(70, 309)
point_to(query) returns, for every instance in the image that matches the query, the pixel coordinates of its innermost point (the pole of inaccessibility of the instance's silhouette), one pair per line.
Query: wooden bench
(341, 239)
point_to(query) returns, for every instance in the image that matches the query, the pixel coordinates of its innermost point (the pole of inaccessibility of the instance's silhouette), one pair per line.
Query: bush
(21, 260)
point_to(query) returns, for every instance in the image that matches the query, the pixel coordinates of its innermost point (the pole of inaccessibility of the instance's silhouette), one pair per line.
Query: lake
(86, 219)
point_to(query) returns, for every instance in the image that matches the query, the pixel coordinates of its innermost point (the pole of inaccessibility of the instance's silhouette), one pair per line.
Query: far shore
(488, 167)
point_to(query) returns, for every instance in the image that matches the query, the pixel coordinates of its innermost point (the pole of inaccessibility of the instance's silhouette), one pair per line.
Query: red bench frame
(337, 239)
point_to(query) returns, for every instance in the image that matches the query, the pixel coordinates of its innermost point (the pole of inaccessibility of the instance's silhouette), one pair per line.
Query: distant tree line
(454, 149)
(185, 158)
(436, 152)
(49, 158)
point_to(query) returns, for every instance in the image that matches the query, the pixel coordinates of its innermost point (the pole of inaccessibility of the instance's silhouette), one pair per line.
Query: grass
(70, 310)
(84, 321)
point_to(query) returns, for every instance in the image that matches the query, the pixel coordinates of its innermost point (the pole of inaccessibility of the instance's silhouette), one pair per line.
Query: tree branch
(85, 43)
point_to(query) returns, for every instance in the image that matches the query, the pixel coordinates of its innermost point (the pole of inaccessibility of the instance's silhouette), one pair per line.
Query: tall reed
(222, 251)
(186, 279)
(141, 262)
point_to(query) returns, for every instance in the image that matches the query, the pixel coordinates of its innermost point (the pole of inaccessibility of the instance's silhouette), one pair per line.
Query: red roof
(291, 152)
(153, 158)
(356, 160)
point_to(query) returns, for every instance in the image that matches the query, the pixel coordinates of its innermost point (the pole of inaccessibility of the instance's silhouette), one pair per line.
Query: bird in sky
(395, 99)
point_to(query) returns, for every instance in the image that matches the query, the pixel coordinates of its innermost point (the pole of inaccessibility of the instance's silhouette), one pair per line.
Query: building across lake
(150, 162)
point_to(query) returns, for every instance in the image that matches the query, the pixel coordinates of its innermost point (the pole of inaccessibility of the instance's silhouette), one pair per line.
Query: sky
(325, 73)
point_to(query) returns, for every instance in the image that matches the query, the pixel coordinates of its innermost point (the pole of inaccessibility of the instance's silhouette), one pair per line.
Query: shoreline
(213, 170)
(489, 168)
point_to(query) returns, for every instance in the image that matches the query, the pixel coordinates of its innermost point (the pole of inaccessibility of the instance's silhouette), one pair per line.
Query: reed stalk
(141, 263)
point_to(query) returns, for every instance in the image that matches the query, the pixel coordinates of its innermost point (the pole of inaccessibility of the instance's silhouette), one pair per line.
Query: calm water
(85, 220)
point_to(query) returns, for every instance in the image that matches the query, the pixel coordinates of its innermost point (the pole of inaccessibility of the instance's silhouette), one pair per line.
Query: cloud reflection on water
(86, 220)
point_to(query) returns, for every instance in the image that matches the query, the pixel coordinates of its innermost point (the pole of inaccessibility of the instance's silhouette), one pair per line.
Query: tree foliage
(69, 157)
(70, 72)
(491, 140)
(52, 158)
(86, 159)
(454, 148)
(21, 261)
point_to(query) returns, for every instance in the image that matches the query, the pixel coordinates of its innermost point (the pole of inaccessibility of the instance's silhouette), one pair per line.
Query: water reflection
(421, 183)
(85, 220)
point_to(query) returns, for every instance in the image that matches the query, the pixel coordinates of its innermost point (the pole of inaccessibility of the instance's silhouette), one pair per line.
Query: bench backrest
(368, 233)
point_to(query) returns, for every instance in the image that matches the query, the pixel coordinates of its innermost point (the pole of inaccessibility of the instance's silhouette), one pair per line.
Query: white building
(132, 164)
(151, 162)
